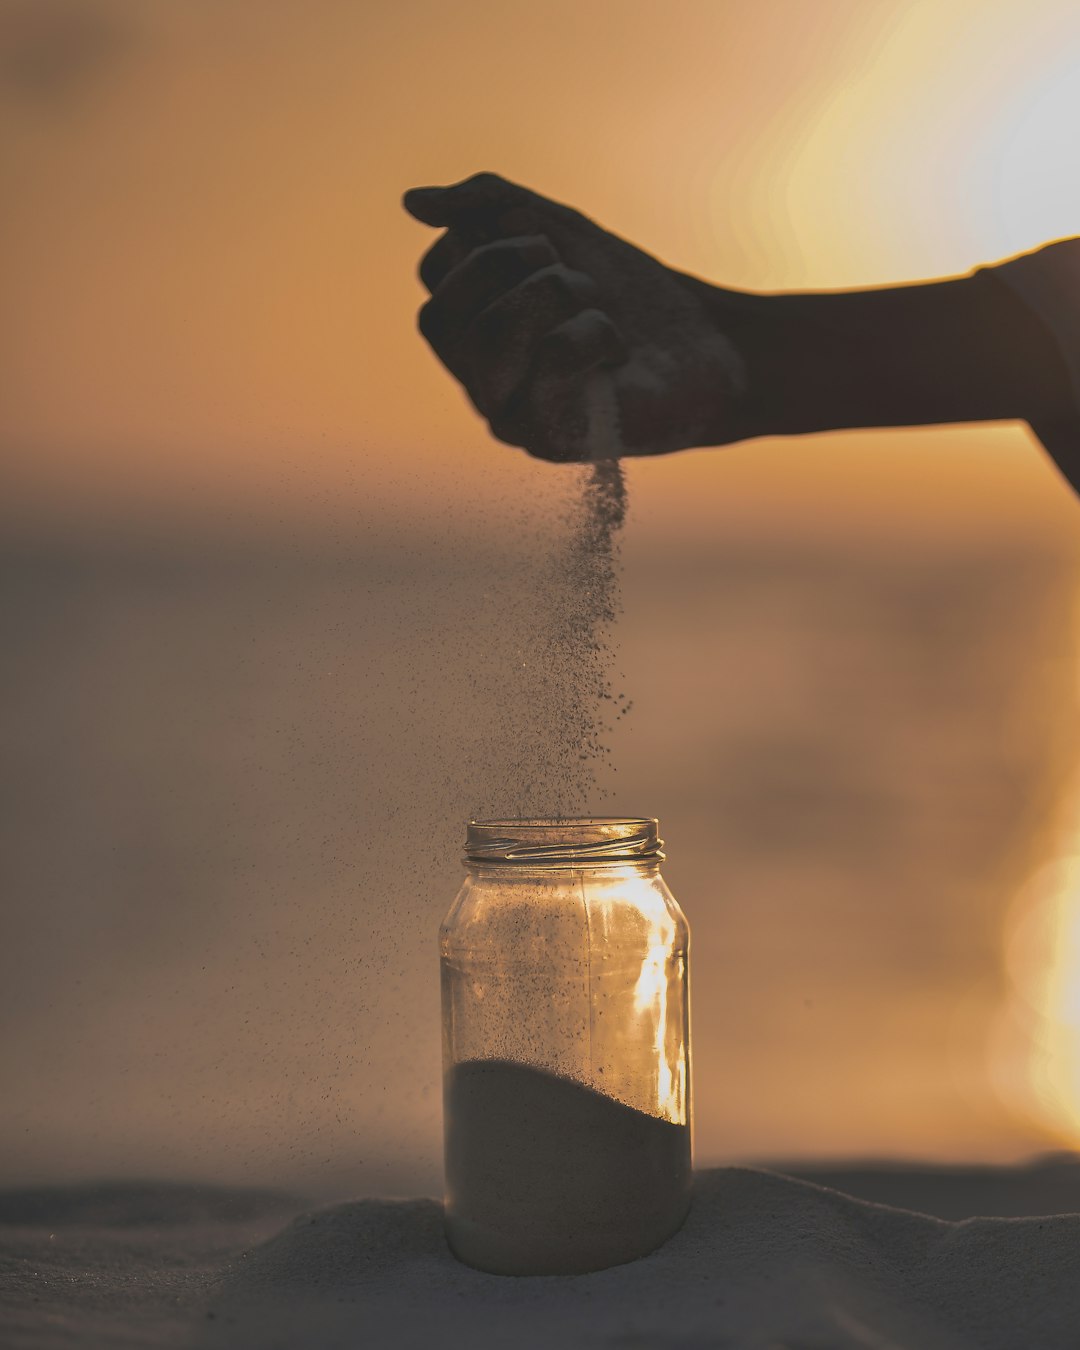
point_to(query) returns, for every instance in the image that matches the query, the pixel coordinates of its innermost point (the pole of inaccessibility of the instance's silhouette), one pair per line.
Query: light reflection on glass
(650, 1001)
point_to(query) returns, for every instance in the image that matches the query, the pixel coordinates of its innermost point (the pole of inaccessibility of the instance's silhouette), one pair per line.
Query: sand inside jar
(545, 1176)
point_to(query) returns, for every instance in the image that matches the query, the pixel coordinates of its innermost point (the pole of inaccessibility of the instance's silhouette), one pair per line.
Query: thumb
(472, 200)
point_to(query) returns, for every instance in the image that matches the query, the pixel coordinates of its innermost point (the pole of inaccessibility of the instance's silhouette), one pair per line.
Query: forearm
(961, 350)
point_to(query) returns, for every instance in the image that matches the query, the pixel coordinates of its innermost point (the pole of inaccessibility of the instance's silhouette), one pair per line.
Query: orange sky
(210, 286)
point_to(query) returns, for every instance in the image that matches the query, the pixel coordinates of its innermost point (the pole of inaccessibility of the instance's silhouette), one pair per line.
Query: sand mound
(763, 1261)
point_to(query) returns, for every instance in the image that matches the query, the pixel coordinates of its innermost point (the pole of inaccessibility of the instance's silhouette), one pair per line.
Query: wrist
(798, 375)
(899, 356)
(964, 349)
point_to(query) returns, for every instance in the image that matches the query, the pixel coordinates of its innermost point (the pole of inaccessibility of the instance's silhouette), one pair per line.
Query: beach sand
(764, 1260)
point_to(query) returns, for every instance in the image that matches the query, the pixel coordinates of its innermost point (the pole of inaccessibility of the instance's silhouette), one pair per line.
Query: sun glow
(1033, 190)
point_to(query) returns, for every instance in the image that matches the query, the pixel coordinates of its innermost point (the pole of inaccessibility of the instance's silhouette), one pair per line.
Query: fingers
(491, 354)
(483, 196)
(450, 250)
(477, 211)
(502, 341)
(477, 281)
(516, 326)
(547, 415)
(547, 418)
(579, 345)
(442, 257)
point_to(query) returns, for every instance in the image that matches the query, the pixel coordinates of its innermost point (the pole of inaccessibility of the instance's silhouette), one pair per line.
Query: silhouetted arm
(538, 311)
(962, 350)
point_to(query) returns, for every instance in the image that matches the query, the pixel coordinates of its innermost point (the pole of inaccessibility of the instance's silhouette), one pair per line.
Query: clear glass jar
(565, 1048)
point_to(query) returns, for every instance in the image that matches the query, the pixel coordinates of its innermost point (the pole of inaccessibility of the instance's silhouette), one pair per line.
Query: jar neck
(548, 871)
(576, 842)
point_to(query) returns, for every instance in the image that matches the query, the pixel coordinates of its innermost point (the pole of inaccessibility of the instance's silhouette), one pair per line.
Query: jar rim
(563, 839)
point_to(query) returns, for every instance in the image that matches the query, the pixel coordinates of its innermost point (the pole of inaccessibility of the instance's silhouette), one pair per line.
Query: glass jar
(565, 1048)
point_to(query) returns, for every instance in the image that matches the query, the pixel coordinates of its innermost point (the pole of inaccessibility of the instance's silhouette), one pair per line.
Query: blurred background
(265, 579)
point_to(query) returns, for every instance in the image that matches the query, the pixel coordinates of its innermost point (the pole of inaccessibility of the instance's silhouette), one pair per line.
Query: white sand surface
(764, 1262)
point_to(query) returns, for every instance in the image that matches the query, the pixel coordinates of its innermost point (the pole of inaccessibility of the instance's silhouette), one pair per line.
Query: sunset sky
(210, 287)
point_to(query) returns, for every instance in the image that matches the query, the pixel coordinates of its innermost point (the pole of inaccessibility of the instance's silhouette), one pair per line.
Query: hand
(530, 299)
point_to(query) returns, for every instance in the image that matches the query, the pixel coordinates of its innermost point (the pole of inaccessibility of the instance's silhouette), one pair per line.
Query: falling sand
(545, 1176)
(560, 705)
(545, 741)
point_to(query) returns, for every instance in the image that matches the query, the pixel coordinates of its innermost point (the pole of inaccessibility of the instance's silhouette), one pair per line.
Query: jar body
(565, 1056)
